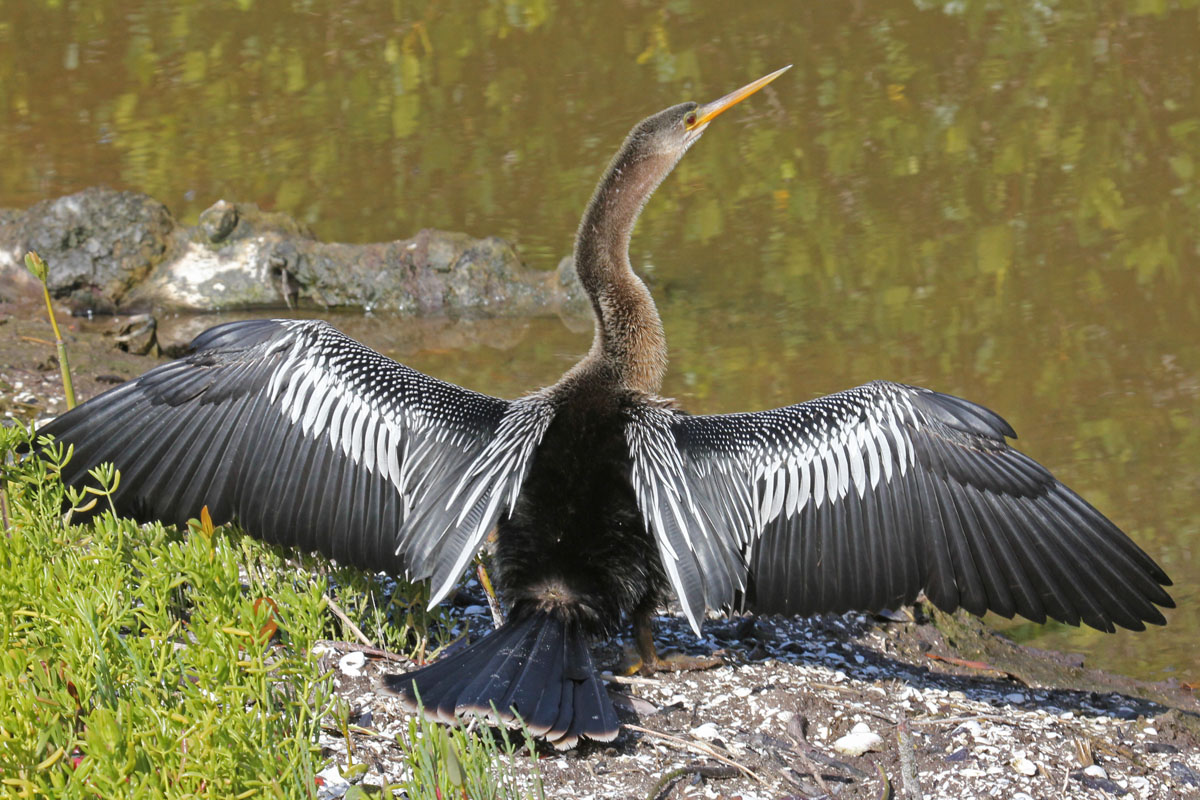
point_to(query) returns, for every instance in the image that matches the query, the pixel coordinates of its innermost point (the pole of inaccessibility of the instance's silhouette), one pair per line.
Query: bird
(607, 499)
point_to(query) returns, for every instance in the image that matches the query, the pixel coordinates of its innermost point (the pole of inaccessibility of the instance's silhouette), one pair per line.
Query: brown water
(999, 200)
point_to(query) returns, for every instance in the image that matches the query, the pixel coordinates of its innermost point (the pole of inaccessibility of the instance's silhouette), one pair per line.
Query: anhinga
(607, 499)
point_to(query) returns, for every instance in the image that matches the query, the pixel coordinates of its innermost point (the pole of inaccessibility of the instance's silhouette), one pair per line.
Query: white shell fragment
(706, 731)
(352, 663)
(859, 740)
(332, 785)
(1024, 766)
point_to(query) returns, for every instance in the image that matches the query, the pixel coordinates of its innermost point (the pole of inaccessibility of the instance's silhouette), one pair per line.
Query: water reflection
(996, 200)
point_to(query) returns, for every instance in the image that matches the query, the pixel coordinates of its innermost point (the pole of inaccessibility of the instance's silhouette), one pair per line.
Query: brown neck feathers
(629, 337)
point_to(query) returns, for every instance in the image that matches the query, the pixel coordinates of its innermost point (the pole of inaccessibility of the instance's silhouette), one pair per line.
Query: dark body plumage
(575, 561)
(576, 532)
(607, 500)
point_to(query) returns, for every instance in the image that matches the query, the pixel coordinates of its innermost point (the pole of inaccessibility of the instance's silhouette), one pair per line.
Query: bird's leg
(643, 639)
(647, 661)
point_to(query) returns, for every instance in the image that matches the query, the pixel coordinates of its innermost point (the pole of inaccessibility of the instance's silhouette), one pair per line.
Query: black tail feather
(538, 668)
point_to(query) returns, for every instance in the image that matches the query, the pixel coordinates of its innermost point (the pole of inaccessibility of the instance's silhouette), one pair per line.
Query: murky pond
(998, 200)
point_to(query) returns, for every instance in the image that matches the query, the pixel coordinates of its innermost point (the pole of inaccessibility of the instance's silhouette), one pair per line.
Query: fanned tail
(537, 667)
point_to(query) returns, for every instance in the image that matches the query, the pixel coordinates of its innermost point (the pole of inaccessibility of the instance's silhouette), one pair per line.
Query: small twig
(970, 718)
(337, 611)
(795, 729)
(815, 770)
(1117, 751)
(991, 717)
(283, 287)
(696, 747)
(371, 650)
(882, 716)
(359, 729)
(908, 762)
(834, 688)
(634, 680)
(691, 769)
(1083, 752)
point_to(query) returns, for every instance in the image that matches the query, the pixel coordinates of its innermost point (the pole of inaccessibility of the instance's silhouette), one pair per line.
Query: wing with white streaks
(864, 498)
(310, 439)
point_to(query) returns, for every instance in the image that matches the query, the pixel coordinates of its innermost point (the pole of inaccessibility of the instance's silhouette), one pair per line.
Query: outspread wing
(310, 439)
(864, 498)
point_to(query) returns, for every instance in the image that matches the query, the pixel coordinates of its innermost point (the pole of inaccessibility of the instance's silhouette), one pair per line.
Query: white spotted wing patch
(456, 458)
(864, 498)
(711, 487)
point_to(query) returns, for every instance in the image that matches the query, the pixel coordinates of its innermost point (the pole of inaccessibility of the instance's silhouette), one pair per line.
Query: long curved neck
(629, 343)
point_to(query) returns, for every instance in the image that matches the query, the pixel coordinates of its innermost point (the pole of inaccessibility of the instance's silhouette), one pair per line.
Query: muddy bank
(112, 251)
(106, 350)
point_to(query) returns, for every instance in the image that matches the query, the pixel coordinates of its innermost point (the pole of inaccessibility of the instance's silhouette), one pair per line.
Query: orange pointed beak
(706, 113)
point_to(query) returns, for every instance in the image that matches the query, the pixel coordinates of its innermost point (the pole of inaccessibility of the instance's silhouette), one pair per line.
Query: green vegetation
(449, 763)
(141, 661)
(35, 264)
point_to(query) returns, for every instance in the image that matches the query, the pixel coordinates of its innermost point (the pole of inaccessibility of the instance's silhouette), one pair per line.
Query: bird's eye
(691, 120)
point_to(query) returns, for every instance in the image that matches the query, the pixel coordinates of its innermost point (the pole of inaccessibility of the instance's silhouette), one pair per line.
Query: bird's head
(671, 132)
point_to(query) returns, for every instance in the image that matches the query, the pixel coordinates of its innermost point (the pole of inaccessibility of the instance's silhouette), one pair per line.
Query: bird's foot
(631, 663)
(635, 663)
(681, 662)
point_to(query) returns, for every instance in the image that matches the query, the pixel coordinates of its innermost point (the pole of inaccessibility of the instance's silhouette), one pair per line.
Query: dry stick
(370, 651)
(908, 762)
(970, 718)
(814, 769)
(362, 637)
(692, 769)
(695, 747)
(632, 680)
(796, 729)
(328, 728)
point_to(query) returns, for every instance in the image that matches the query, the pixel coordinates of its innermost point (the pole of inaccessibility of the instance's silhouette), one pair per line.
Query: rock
(138, 335)
(1102, 784)
(218, 221)
(110, 251)
(1184, 774)
(234, 259)
(99, 243)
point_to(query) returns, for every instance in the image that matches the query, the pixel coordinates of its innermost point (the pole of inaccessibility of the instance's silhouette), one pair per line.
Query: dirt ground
(959, 712)
(945, 708)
